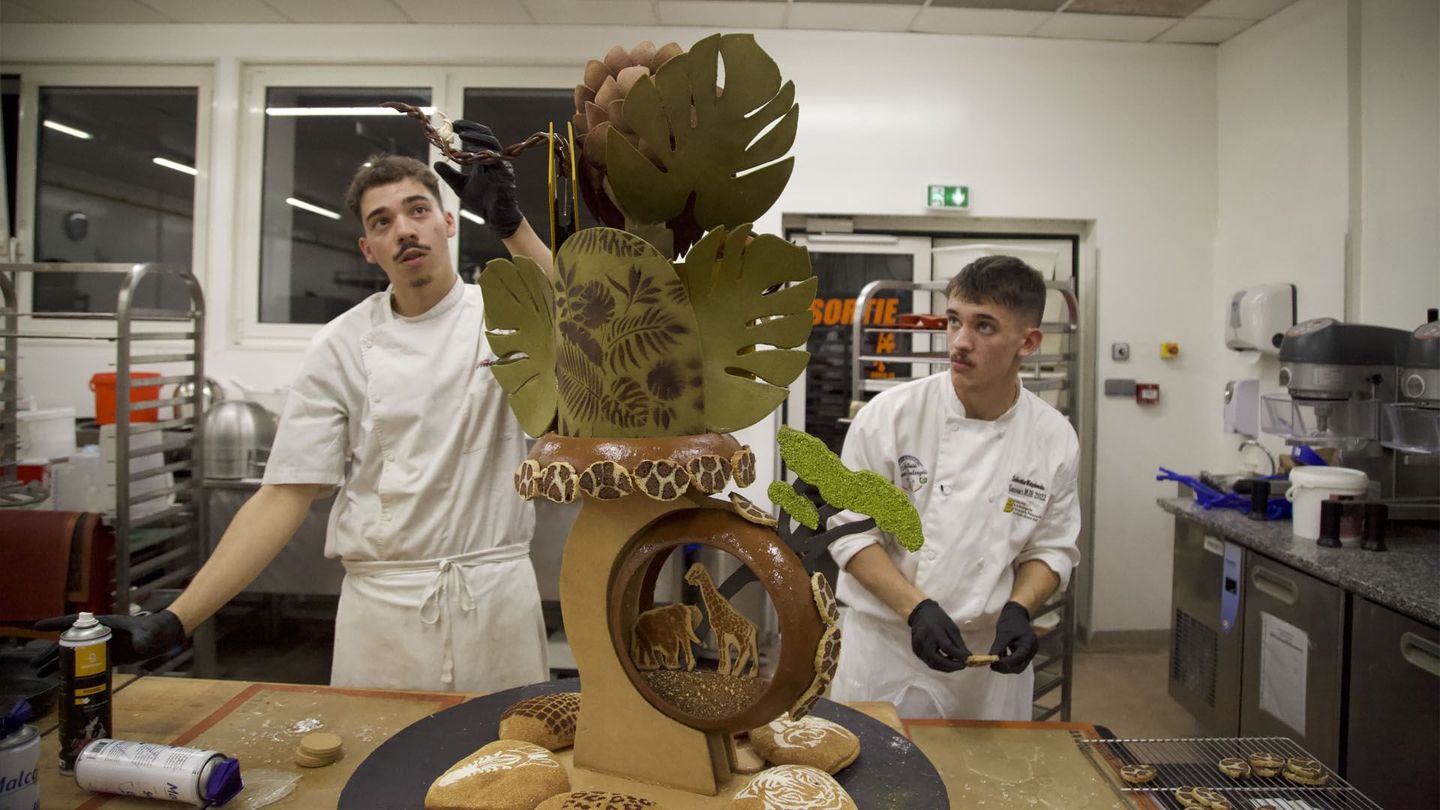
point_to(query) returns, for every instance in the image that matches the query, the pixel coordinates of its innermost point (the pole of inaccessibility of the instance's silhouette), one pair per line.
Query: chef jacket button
(930, 555)
(1000, 435)
(990, 498)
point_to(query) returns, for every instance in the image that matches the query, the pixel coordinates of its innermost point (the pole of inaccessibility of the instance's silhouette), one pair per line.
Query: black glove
(1015, 640)
(133, 638)
(935, 638)
(485, 189)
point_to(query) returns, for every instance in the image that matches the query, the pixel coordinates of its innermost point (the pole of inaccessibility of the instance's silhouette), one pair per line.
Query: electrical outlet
(1120, 351)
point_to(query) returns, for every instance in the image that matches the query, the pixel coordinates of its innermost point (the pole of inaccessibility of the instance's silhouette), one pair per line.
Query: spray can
(154, 771)
(84, 687)
(19, 758)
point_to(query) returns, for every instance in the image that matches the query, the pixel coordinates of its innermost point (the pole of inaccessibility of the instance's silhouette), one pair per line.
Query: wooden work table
(1007, 764)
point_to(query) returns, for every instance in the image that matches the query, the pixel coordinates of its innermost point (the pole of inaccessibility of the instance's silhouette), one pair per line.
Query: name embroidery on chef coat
(1027, 499)
(913, 474)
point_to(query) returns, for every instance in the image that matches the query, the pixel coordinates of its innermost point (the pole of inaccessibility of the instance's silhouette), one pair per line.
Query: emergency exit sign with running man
(949, 198)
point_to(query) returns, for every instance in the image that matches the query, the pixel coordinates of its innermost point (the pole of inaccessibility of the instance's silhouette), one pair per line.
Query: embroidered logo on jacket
(913, 474)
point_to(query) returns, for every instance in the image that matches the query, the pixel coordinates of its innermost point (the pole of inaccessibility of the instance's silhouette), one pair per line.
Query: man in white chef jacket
(992, 470)
(439, 592)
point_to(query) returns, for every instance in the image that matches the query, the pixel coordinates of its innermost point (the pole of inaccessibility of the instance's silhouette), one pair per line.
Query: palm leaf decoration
(519, 322)
(707, 141)
(736, 290)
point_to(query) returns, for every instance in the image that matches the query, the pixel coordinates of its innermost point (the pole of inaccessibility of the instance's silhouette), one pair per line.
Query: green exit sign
(955, 198)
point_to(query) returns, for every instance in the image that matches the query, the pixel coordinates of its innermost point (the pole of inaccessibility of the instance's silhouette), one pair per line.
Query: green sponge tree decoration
(826, 488)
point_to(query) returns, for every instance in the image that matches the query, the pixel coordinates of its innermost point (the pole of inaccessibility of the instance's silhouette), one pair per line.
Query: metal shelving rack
(161, 549)
(1047, 371)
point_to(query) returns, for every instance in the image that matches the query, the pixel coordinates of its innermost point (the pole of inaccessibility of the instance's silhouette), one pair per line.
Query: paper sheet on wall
(1284, 652)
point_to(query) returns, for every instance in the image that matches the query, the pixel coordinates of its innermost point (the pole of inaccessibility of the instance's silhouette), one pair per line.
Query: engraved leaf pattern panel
(629, 341)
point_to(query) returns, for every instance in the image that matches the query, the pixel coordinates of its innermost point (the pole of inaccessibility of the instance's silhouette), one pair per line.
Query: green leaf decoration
(794, 504)
(735, 291)
(860, 491)
(519, 306)
(628, 340)
(708, 141)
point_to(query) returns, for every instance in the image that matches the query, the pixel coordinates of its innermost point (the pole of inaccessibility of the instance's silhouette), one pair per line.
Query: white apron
(439, 592)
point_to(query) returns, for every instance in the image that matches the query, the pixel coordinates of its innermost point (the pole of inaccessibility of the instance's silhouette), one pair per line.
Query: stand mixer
(1345, 392)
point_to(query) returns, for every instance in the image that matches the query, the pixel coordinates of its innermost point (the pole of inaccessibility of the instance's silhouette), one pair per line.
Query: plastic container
(47, 433)
(103, 385)
(1311, 485)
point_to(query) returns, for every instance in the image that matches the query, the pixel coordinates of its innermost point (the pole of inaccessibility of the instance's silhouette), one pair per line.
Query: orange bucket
(103, 385)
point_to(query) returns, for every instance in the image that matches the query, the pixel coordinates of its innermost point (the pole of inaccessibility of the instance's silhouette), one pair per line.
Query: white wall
(1121, 134)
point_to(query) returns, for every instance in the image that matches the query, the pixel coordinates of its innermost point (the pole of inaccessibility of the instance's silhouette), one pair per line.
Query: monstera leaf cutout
(629, 363)
(709, 143)
(519, 321)
(735, 290)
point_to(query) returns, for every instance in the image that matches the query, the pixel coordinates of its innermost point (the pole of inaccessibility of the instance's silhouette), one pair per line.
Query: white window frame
(35, 76)
(447, 88)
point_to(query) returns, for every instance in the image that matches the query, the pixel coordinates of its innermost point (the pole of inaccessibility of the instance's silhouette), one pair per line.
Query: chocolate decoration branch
(484, 156)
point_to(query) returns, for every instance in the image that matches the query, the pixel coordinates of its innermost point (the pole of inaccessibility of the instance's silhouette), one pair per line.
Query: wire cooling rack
(1192, 763)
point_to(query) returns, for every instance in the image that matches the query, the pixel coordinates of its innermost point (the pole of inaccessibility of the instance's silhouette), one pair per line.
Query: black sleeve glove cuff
(910, 620)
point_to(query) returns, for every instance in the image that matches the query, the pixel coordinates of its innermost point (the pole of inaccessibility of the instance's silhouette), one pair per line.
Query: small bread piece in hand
(981, 660)
(1137, 774)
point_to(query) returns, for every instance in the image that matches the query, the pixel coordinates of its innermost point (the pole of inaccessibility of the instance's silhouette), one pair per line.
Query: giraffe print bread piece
(745, 508)
(824, 599)
(596, 800)
(708, 473)
(731, 627)
(606, 481)
(546, 720)
(662, 480)
(527, 479)
(742, 466)
(560, 483)
(827, 656)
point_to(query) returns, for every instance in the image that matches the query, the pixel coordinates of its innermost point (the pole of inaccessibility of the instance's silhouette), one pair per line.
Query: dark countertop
(1406, 578)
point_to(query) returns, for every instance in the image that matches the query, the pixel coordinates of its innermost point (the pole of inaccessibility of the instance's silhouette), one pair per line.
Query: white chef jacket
(991, 495)
(439, 591)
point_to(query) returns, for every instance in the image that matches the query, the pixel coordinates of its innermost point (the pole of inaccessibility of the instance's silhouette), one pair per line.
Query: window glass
(316, 138)
(114, 182)
(515, 115)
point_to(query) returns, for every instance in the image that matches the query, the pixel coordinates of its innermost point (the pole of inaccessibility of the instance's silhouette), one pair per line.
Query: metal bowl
(210, 393)
(238, 436)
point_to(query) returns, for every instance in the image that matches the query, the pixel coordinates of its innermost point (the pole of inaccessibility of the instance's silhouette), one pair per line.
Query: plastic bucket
(1309, 486)
(103, 385)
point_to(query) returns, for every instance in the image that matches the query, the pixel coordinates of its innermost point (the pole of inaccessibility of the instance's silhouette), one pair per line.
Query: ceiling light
(293, 112)
(71, 131)
(314, 209)
(170, 164)
(475, 218)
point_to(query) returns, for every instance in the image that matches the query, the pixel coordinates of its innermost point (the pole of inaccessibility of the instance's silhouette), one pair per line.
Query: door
(819, 401)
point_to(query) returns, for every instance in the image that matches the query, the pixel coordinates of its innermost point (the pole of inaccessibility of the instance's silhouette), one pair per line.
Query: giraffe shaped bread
(731, 628)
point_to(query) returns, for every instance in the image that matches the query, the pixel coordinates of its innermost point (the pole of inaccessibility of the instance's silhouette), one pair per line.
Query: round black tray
(890, 772)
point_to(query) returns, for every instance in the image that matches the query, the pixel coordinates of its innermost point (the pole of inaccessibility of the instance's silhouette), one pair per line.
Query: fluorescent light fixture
(170, 164)
(475, 218)
(294, 112)
(71, 131)
(314, 209)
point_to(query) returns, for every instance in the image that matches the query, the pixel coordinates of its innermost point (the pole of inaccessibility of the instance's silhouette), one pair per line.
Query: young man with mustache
(992, 469)
(439, 592)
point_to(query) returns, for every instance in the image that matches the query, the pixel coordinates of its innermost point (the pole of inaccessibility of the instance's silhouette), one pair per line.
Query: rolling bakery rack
(1053, 373)
(157, 512)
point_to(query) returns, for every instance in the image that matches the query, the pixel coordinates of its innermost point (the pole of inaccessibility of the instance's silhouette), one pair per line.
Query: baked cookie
(504, 774)
(1265, 763)
(1212, 799)
(1307, 772)
(811, 740)
(793, 786)
(545, 720)
(1187, 798)
(596, 800)
(1137, 774)
(1234, 767)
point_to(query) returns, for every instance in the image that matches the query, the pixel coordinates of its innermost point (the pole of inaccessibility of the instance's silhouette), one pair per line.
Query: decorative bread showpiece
(811, 740)
(1265, 763)
(545, 720)
(1137, 774)
(1234, 767)
(504, 775)
(791, 787)
(596, 800)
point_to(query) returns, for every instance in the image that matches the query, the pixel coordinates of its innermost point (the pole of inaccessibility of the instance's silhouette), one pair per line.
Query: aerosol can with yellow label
(84, 687)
